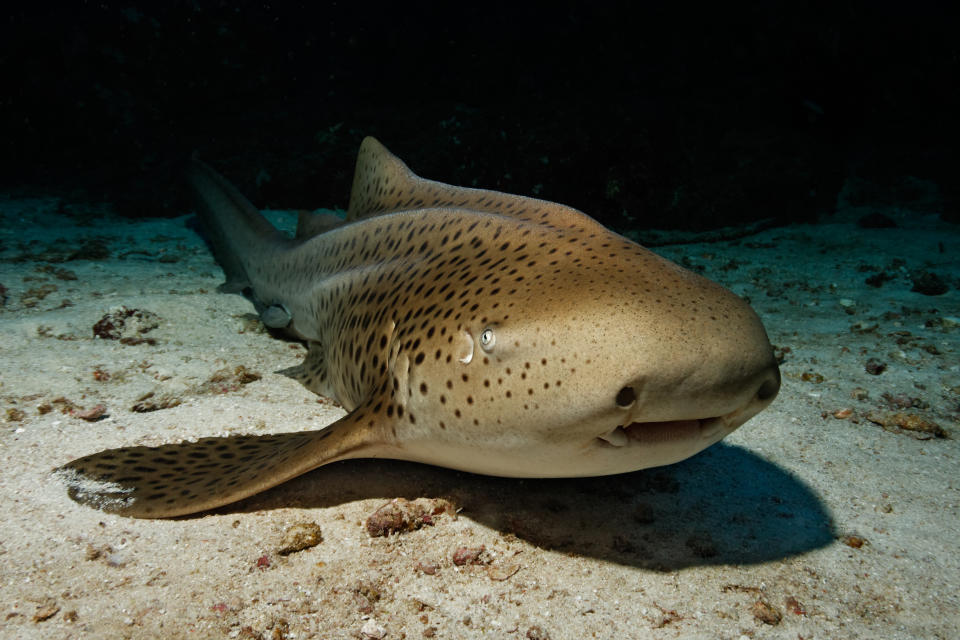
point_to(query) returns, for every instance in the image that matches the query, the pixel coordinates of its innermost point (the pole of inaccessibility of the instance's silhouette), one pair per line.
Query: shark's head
(601, 360)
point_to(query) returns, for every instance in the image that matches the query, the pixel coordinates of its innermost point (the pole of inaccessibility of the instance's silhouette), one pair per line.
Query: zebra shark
(465, 328)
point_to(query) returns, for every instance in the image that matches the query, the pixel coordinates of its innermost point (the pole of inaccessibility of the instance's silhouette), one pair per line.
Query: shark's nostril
(626, 397)
(770, 386)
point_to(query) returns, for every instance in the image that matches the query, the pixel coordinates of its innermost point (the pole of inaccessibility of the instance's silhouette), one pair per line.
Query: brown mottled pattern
(155, 481)
(467, 328)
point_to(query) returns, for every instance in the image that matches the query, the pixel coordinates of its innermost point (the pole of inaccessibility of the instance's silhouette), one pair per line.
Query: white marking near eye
(466, 348)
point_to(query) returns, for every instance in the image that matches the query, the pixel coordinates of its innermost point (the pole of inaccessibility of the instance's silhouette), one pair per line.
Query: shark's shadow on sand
(724, 506)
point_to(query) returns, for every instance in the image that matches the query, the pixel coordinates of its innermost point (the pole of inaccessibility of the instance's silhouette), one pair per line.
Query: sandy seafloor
(837, 526)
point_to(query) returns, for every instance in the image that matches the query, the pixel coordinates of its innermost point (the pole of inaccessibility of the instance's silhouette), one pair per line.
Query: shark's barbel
(464, 328)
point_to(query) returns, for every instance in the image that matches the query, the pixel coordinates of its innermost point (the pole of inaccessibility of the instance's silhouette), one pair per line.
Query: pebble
(372, 631)
(300, 536)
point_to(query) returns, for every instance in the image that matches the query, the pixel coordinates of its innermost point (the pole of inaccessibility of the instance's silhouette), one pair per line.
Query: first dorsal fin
(382, 183)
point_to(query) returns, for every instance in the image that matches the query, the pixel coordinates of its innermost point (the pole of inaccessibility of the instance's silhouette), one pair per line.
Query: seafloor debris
(780, 353)
(864, 327)
(93, 248)
(875, 367)
(31, 297)
(250, 323)
(226, 380)
(46, 611)
(947, 323)
(366, 594)
(247, 633)
(107, 554)
(928, 283)
(765, 613)
(126, 325)
(64, 405)
(153, 402)
(429, 568)
(400, 515)
(795, 606)
(371, 630)
(536, 633)
(501, 572)
(909, 423)
(470, 555)
(877, 280)
(300, 536)
(57, 272)
(902, 401)
(854, 541)
(90, 415)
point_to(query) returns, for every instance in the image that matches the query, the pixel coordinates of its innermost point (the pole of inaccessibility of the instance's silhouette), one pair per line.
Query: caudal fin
(234, 226)
(177, 479)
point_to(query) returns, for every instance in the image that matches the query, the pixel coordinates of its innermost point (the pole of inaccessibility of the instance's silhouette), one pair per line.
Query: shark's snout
(711, 420)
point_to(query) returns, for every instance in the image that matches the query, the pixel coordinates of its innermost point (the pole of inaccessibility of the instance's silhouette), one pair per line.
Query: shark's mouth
(650, 433)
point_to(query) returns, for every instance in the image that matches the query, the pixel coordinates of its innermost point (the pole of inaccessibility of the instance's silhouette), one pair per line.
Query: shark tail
(234, 226)
(178, 479)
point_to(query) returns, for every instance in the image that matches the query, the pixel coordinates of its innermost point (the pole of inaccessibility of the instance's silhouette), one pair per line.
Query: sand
(820, 518)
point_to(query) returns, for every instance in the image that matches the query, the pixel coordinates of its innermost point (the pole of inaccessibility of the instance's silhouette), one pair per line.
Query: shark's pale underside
(464, 328)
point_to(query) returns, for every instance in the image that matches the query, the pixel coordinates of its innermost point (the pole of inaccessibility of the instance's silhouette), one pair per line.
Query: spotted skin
(464, 328)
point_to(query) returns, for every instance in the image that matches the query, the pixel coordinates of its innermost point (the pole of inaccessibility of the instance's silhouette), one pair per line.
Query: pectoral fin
(177, 479)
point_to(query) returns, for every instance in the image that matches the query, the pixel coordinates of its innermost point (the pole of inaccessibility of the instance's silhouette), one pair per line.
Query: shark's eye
(487, 340)
(626, 397)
